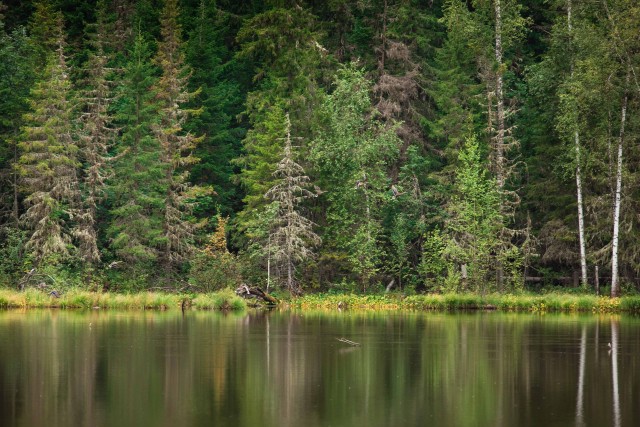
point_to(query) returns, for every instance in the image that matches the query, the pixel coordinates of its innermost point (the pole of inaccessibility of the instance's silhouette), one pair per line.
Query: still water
(68, 368)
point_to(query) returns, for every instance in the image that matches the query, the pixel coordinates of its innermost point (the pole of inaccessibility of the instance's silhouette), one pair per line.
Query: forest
(310, 145)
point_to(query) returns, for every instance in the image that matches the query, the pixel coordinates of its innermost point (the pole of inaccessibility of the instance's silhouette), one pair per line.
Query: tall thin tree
(177, 145)
(292, 238)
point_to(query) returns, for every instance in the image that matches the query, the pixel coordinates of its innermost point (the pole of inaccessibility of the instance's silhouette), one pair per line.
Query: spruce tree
(284, 44)
(221, 79)
(292, 237)
(17, 75)
(474, 222)
(177, 145)
(96, 137)
(48, 164)
(136, 187)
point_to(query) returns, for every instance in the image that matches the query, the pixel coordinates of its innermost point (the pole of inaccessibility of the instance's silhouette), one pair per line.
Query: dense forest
(419, 145)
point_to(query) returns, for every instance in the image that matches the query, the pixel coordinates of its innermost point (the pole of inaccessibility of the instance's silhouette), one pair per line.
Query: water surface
(70, 368)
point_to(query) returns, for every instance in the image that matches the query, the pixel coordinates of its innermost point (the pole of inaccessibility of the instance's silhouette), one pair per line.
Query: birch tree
(615, 280)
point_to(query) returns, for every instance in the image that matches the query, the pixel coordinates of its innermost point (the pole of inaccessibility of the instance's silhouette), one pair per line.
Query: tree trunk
(615, 283)
(581, 234)
(576, 135)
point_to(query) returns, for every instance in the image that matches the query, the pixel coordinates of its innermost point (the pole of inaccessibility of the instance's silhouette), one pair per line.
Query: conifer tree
(474, 221)
(137, 183)
(177, 145)
(16, 78)
(43, 31)
(292, 237)
(48, 164)
(96, 136)
(284, 43)
(221, 78)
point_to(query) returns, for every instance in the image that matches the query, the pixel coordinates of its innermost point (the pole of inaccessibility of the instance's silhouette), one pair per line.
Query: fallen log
(255, 292)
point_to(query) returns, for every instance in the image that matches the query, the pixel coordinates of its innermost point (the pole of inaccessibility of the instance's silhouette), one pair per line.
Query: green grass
(227, 300)
(80, 299)
(551, 302)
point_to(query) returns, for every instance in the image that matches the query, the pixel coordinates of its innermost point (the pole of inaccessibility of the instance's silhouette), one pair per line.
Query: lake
(103, 368)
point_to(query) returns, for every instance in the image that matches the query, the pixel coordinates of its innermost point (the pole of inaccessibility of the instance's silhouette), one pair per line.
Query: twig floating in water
(344, 340)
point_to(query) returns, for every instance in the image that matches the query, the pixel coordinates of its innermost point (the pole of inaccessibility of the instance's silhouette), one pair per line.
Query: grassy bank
(227, 300)
(33, 298)
(448, 302)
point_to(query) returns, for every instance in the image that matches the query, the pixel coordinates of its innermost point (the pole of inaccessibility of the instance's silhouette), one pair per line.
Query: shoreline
(227, 300)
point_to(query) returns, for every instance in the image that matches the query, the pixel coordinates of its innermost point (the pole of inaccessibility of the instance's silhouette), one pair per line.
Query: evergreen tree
(137, 186)
(221, 79)
(16, 78)
(474, 222)
(48, 164)
(284, 43)
(292, 236)
(177, 145)
(96, 137)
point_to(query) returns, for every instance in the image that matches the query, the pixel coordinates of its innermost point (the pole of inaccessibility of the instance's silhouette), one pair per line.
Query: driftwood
(255, 292)
(346, 341)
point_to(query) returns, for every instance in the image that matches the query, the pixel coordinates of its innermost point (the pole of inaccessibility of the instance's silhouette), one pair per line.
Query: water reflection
(288, 369)
(614, 373)
(583, 355)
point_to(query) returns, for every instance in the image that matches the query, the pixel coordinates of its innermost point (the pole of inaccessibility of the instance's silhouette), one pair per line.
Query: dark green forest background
(422, 145)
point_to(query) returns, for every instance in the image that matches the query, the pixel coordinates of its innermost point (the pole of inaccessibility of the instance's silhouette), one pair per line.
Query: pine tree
(96, 136)
(17, 75)
(292, 236)
(137, 186)
(48, 164)
(177, 145)
(284, 44)
(474, 221)
(221, 79)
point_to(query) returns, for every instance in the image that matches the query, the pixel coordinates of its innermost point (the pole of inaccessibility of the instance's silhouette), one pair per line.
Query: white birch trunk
(581, 233)
(615, 283)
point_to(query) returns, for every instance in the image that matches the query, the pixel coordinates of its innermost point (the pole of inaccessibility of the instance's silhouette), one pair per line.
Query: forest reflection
(61, 368)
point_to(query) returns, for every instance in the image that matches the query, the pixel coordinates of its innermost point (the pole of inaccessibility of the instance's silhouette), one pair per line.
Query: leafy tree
(292, 235)
(350, 156)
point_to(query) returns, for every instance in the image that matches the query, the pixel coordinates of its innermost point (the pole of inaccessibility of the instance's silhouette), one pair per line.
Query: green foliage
(350, 157)
(433, 265)
(402, 197)
(48, 162)
(474, 221)
(136, 188)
